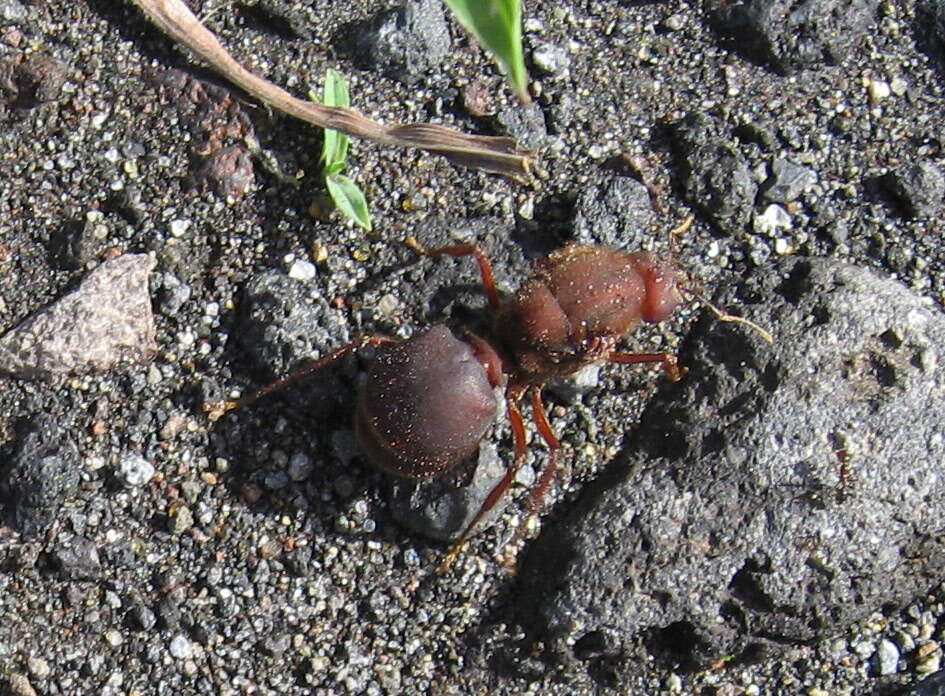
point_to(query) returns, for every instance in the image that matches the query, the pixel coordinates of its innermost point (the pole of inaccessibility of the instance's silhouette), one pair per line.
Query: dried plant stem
(491, 154)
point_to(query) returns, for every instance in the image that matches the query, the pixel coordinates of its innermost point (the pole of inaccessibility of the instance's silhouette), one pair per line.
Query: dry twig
(491, 154)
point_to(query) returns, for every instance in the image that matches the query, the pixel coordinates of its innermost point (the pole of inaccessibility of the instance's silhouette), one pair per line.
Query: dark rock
(276, 645)
(77, 559)
(760, 133)
(35, 79)
(174, 294)
(81, 243)
(615, 212)
(932, 685)
(790, 36)
(405, 42)
(919, 187)
(143, 617)
(442, 508)
(524, 123)
(771, 496)
(43, 474)
(169, 613)
(281, 17)
(716, 176)
(106, 320)
(787, 182)
(284, 321)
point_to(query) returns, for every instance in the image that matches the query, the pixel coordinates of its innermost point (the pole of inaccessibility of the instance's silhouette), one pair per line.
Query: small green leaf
(334, 168)
(335, 147)
(349, 199)
(497, 26)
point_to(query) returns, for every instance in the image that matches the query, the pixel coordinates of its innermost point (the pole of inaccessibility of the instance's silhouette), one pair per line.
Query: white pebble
(179, 227)
(302, 270)
(134, 470)
(181, 648)
(879, 90)
(774, 218)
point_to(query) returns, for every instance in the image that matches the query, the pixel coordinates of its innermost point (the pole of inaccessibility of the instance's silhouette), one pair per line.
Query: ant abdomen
(426, 404)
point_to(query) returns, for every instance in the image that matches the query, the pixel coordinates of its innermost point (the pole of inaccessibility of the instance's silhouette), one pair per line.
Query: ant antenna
(722, 316)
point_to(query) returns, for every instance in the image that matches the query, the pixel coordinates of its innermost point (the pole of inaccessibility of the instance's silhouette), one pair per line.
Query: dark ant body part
(428, 401)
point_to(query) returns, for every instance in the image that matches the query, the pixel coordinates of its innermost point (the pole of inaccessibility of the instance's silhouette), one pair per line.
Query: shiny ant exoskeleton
(428, 400)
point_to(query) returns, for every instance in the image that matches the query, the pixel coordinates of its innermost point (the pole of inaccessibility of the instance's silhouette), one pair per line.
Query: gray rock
(774, 490)
(405, 42)
(551, 59)
(284, 321)
(525, 124)
(919, 187)
(35, 80)
(106, 320)
(12, 11)
(77, 559)
(933, 685)
(787, 182)
(791, 36)
(441, 508)
(616, 212)
(180, 647)
(716, 176)
(887, 657)
(19, 685)
(134, 470)
(174, 294)
(43, 474)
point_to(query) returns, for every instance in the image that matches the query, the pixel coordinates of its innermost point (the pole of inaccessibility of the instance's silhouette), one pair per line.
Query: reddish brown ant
(428, 401)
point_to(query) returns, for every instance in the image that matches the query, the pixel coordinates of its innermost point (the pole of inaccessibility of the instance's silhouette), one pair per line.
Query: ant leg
(668, 361)
(540, 489)
(518, 439)
(216, 409)
(458, 250)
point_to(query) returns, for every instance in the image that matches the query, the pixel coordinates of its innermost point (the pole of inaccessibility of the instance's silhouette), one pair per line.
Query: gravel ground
(164, 554)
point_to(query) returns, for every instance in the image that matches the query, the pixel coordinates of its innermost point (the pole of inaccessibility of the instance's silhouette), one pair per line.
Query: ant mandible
(428, 400)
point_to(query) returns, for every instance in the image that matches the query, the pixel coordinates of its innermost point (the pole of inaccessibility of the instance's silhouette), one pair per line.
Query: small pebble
(19, 685)
(181, 520)
(551, 59)
(300, 466)
(134, 470)
(38, 668)
(928, 658)
(887, 657)
(674, 22)
(113, 638)
(773, 218)
(179, 228)
(302, 270)
(181, 648)
(878, 90)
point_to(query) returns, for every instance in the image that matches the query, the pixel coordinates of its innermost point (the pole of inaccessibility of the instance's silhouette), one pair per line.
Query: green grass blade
(497, 26)
(335, 147)
(349, 199)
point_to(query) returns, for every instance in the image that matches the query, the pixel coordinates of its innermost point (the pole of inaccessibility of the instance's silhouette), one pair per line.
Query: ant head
(662, 280)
